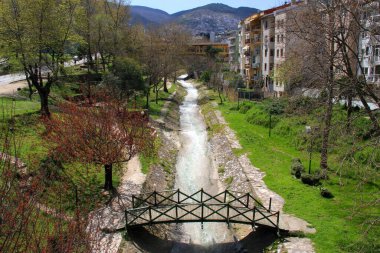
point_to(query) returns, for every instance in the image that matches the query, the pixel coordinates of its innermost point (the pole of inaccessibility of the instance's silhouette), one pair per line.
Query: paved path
(105, 221)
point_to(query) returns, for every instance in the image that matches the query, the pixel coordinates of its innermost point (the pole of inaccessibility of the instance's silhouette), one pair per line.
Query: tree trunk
(375, 123)
(349, 112)
(326, 132)
(108, 177)
(44, 98)
(220, 95)
(147, 99)
(165, 84)
(157, 94)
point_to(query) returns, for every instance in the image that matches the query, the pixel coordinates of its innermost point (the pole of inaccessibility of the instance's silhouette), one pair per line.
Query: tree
(37, 31)
(125, 78)
(324, 37)
(104, 134)
(29, 220)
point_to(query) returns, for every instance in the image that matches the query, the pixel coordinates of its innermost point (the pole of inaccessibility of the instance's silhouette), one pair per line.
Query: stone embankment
(240, 175)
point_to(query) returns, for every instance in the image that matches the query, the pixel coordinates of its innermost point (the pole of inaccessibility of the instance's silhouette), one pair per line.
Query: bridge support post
(225, 196)
(270, 204)
(133, 201)
(254, 217)
(202, 212)
(155, 198)
(126, 220)
(278, 224)
(247, 200)
(228, 215)
(150, 216)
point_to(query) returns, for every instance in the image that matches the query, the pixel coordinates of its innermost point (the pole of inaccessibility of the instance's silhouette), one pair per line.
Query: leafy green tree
(125, 78)
(37, 31)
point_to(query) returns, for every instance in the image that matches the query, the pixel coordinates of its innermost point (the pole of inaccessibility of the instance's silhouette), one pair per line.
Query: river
(195, 171)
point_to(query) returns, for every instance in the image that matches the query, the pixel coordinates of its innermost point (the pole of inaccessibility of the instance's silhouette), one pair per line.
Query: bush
(245, 107)
(205, 76)
(276, 107)
(326, 193)
(311, 179)
(257, 116)
(300, 105)
(297, 168)
(51, 169)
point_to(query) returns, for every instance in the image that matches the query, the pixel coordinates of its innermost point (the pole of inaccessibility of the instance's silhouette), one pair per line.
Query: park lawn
(155, 108)
(331, 217)
(32, 149)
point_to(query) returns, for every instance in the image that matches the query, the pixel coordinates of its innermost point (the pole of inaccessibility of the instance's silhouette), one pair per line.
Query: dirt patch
(12, 88)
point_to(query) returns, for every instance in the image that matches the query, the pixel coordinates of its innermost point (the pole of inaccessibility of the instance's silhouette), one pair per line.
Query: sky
(172, 6)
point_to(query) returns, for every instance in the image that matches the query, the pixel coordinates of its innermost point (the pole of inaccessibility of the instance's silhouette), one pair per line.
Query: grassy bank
(339, 227)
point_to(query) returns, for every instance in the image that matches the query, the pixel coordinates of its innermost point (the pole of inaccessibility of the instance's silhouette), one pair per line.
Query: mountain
(145, 15)
(217, 18)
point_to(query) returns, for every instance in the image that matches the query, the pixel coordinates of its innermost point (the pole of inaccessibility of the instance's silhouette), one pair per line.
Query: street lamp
(308, 131)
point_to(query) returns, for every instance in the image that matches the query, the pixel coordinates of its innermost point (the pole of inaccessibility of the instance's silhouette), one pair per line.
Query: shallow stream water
(195, 171)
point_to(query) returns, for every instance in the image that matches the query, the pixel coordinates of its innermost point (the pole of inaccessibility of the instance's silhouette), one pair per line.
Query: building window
(376, 51)
(282, 38)
(367, 51)
(265, 67)
(271, 65)
(266, 52)
(272, 39)
(365, 71)
(282, 52)
(278, 53)
(278, 38)
(272, 52)
(266, 25)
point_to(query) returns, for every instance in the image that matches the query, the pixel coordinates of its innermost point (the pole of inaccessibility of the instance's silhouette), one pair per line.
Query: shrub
(326, 193)
(276, 107)
(51, 169)
(205, 76)
(300, 105)
(245, 107)
(297, 168)
(311, 179)
(257, 116)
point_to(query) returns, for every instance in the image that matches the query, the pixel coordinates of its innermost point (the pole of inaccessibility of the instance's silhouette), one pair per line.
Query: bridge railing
(200, 212)
(178, 197)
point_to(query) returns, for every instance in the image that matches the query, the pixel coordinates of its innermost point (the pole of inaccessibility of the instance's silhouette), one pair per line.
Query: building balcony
(256, 65)
(373, 78)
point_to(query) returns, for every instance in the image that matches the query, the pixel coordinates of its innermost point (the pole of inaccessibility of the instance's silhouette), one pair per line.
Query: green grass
(337, 230)
(155, 108)
(16, 107)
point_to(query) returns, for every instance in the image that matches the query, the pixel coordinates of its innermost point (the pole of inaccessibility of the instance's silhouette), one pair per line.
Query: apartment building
(233, 51)
(265, 44)
(369, 44)
(263, 47)
(250, 44)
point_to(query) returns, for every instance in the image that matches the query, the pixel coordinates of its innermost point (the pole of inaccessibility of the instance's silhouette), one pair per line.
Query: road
(9, 83)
